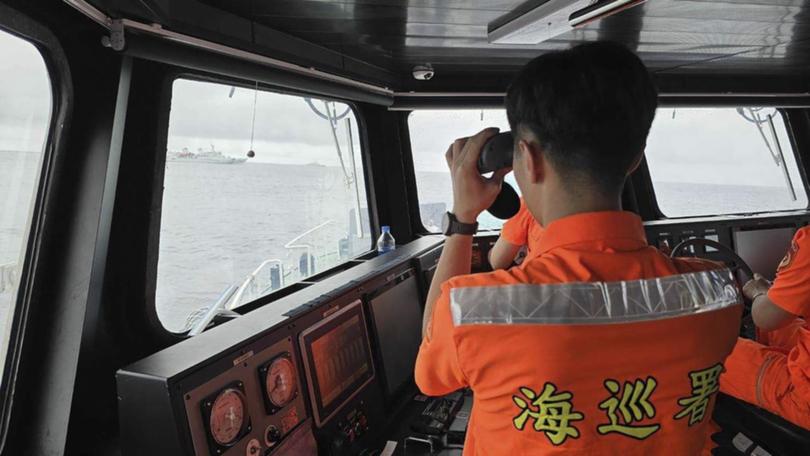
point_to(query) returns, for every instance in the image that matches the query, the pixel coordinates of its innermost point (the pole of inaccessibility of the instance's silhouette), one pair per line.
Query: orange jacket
(791, 288)
(551, 368)
(774, 373)
(791, 292)
(523, 229)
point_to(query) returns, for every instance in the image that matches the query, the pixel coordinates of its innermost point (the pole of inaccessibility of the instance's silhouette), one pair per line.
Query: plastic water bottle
(386, 242)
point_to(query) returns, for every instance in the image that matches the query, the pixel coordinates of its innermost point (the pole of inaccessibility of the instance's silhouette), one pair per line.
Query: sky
(25, 98)
(696, 145)
(286, 129)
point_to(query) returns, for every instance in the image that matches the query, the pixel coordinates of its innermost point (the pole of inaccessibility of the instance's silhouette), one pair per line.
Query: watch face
(445, 222)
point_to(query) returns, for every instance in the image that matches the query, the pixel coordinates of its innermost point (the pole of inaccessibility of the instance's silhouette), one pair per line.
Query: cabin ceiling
(381, 40)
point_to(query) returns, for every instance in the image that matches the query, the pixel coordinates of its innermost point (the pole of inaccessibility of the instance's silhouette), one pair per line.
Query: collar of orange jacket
(593, 226)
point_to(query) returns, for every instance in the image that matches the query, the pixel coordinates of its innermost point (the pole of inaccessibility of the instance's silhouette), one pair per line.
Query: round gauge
(280, 382)
(227, 416)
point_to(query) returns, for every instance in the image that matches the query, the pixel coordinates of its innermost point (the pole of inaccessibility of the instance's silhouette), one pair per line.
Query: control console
(324, 371)
(345, 396)
(249, 408)
(349, 429)
(437, 415)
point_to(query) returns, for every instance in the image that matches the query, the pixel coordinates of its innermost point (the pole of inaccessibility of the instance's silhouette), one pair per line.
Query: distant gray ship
(203, 156)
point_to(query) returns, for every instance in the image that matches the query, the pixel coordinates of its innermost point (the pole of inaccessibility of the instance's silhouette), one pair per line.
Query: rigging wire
(251, 152)
(334, 126)
(752, 115)
(775, 150)
(333, 117)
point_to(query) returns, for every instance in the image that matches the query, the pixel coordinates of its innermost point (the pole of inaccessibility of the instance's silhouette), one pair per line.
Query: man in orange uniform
(600, 344)
(518, 232)
(774, 373)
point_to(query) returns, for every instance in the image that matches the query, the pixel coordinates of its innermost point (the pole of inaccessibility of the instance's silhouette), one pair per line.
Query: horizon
(443, 170)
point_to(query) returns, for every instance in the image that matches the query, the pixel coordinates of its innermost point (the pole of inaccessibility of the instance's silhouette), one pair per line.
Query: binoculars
(497, 154)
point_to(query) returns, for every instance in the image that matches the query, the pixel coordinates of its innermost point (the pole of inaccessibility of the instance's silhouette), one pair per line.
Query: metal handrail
(237, 298)
(213, 311)
(293, 243)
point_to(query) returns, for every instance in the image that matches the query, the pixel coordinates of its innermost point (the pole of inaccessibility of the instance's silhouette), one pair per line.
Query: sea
(220, 222)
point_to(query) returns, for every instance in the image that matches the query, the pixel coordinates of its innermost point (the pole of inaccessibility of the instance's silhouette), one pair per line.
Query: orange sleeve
(516, 229)
(791, 288)
(437, 368)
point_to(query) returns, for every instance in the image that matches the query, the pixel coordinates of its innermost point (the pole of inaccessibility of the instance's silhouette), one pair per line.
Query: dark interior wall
(385, 146)
(67, 269)
(123, 327)
(380, 42)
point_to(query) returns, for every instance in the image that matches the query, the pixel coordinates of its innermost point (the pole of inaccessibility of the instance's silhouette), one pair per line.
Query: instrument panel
(226, 417)
(338, 360)
(250, 408)
(300, 383)
(280, 382)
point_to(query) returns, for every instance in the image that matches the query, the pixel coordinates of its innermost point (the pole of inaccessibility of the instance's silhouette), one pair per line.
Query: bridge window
(25, 112)
(708, 161)
(703, 161)
(261, 190)
(432, 131)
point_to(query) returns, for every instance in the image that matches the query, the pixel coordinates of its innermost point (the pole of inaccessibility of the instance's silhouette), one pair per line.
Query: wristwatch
(451, 225)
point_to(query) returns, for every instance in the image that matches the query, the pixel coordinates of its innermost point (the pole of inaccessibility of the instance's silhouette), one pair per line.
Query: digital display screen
(397, 316)
(337, 359)
(340, 359)
(764, 249)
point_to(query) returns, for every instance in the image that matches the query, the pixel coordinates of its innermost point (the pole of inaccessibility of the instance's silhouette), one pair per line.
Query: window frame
(642, 173)
(54, 59)
(413, 185)
(153, 245)
(644, 168)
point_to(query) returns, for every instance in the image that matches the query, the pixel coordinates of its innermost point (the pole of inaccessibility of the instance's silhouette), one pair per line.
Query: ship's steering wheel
(734, 262)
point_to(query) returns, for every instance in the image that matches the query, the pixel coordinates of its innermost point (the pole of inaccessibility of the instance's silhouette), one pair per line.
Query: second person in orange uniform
(519, 232)
(774, 372)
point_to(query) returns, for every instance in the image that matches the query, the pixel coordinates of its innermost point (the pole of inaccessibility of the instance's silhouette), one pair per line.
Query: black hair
(590, 107)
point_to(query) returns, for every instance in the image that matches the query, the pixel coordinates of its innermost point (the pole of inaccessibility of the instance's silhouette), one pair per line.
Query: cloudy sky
(696, 145)
(711, 146)
(286, 128)
(25, 98)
